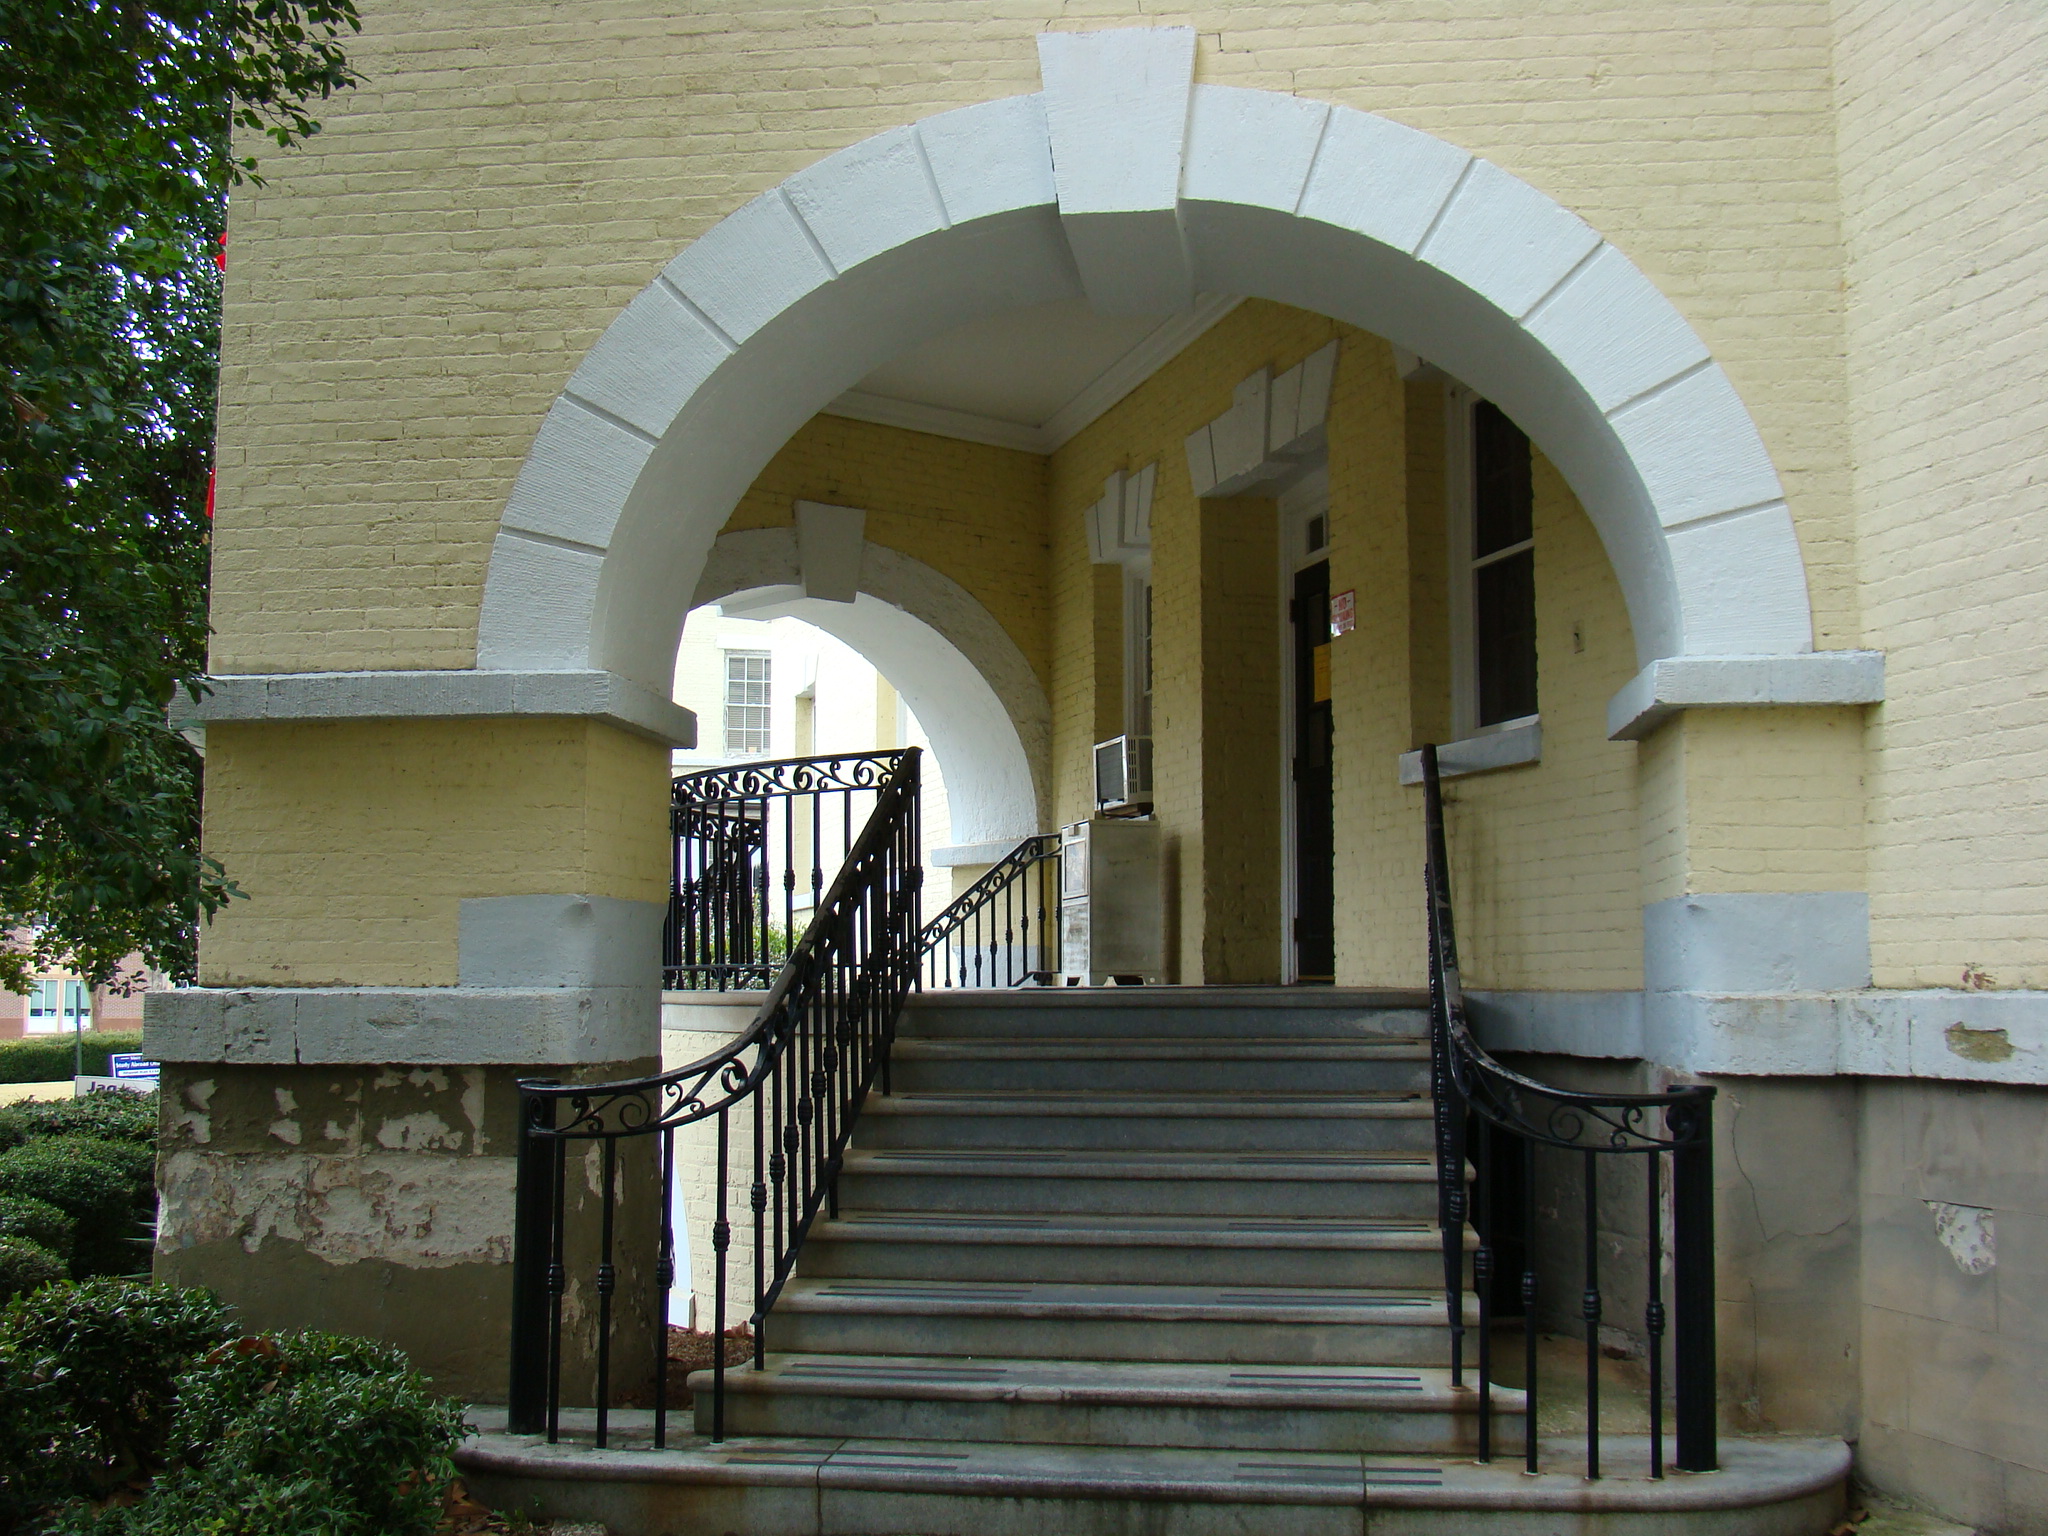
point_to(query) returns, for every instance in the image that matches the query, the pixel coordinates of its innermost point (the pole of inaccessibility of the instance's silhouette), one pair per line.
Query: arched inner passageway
(1123, 183)
(962, 676)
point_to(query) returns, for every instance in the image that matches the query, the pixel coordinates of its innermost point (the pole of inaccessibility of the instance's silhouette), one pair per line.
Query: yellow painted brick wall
(357, 840)
(971, 512)
(411, 289)
(1944, 167)
(1546, 860)
(1240, 740)
(1755, 800)
(1378, 831)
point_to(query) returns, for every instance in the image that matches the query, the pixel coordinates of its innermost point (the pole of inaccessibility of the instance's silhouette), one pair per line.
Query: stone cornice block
(1675, 683)
(441, 695)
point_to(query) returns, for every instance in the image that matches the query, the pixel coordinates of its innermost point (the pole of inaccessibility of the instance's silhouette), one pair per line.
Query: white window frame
(58, 1006)
(1139, 675)
(1460, 495)
(766, 706)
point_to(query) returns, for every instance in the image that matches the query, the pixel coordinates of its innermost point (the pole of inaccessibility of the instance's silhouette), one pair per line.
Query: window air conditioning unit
(1123, 774)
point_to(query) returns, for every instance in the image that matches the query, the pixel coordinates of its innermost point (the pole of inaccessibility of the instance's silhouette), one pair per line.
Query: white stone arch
(1122, 182)
(964, 678)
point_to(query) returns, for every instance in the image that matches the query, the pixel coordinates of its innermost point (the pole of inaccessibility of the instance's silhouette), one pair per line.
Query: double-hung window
(747, 708)
(1493, 568)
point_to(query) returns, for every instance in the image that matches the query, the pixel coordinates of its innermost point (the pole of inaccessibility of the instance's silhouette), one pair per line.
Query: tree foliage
(117, 151)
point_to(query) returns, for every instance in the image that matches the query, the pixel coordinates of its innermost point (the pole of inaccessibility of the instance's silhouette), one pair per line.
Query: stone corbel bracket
(1120, 524)
(1272, 427)
(1665, 688)
(603, 696)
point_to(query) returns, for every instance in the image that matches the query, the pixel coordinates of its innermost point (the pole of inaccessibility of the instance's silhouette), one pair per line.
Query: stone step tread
(1253, 1049)
(1341, 1233)
(1117, 1303)
(1094, 1163)
(1120, 1104)
(1320, 999)
(1112, 1383)
(1753, 1472)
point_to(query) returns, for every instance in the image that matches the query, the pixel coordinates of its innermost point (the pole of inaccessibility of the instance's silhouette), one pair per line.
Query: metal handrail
(802, 1068)
(745, 839)
(1472, 1090)
(974, 942)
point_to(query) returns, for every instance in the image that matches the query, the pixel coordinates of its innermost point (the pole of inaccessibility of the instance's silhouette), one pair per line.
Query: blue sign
(132, 1064)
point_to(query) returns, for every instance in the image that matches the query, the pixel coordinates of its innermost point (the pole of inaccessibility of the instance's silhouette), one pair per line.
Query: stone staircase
(1109, 1223)
(1151, 1260)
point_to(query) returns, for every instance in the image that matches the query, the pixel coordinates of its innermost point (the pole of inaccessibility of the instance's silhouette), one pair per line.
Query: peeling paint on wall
(1978, 1044)
(1969, 1233)
(398, 1208)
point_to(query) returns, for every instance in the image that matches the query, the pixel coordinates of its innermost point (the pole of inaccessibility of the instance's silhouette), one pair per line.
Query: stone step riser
(1148, 1133)
(995, 1022)
(1091, 1264)
(1425, 1342)
(1194, 1427)
(965, 1193)
(996, 1074)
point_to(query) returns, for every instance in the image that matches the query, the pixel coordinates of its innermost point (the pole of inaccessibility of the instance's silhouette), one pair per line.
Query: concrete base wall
(379, 1200)
(1883, 1273)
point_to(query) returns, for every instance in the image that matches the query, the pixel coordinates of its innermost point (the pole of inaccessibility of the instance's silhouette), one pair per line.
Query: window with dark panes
(1503, 570)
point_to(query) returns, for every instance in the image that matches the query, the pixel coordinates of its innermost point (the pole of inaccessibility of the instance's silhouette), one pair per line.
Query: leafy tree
(117, 151)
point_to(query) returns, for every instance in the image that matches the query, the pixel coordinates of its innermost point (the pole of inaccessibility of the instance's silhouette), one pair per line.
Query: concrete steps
(1323, 1408)
(1193, 1064)
(1140, 1183)
(1123, 1261)
(875, 1486)
(1107, 1249)
(1305, 1325)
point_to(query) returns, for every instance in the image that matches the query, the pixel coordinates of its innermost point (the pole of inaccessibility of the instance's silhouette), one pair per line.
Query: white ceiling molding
(1120, 524)
(1159, 348)
(1271, 429)
(916, 416)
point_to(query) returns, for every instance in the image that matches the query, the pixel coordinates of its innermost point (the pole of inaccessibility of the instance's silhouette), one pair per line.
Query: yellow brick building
(569, 314)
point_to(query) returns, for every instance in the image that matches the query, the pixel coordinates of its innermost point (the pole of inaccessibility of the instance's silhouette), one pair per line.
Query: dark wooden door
(1315, 833)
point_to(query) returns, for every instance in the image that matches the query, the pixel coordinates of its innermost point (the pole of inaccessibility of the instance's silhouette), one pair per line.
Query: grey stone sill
(1512, 746)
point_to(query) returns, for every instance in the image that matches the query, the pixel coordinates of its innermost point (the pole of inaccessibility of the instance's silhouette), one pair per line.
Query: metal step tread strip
(1342, 1234)
(1405, 1389)
(1117, 1303)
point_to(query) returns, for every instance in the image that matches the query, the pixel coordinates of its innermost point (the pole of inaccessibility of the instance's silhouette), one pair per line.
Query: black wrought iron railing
(1003, 930)
(1478, 1101)
(754, 845)
(594, 1250)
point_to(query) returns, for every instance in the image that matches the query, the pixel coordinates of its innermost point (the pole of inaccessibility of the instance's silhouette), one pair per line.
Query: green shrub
(88, 1377)
(50, 1058)
(299, 1434)
(26, 1266)
(104, 1186)
(38, 1221)
(115, 1115)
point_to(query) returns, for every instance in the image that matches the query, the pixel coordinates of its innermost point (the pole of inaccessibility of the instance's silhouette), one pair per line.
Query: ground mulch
(693, 1349)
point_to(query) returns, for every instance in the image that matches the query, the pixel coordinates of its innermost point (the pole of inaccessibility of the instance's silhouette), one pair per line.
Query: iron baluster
(1692, 1277)
(721, 1240)
(607, 1282)
(1468, 1082)
(664, 1283)
(1653, 1310)
(1482, 1284)
(1589, 1311)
